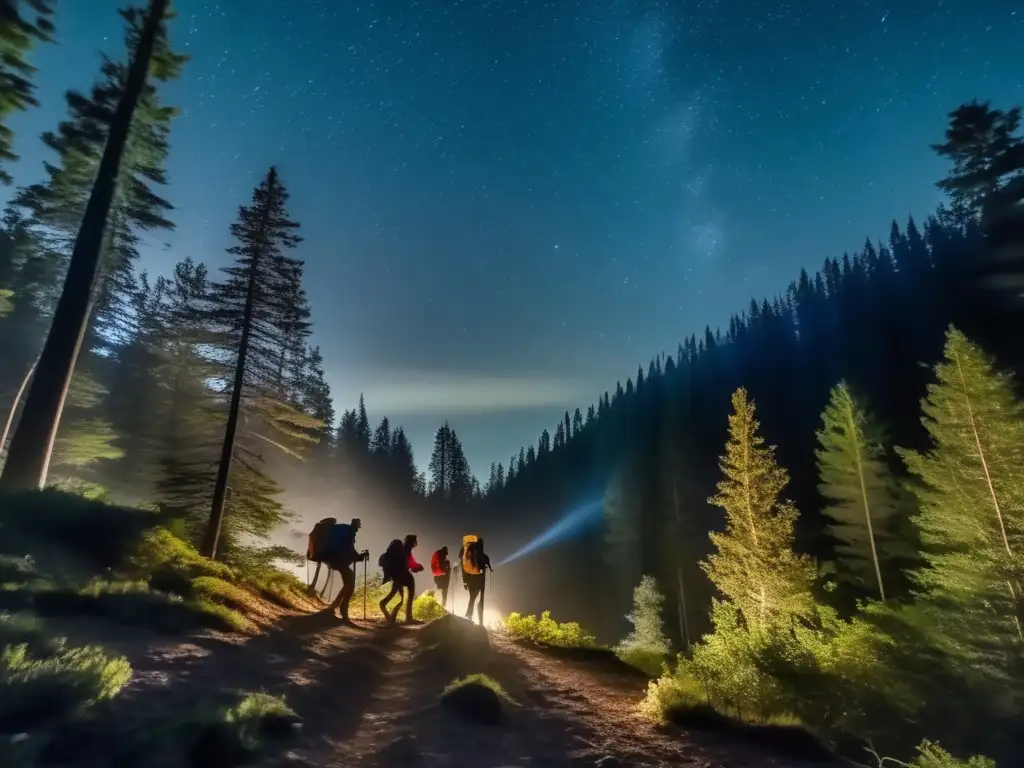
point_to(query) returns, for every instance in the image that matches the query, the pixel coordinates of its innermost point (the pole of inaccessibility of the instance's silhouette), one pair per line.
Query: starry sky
(509, 204)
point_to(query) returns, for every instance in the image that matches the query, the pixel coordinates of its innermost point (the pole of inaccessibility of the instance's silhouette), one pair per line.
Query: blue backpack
(341, 543)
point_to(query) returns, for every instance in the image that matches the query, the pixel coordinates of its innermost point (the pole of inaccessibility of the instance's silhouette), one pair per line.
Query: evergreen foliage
(646, 647)
(755, 566)
(23, 23)
(970, 490)
(864, 502)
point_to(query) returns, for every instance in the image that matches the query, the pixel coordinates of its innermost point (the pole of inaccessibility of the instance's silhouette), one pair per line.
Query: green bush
(547, 631)
(931, 755)
(42, 680)
(426, 608)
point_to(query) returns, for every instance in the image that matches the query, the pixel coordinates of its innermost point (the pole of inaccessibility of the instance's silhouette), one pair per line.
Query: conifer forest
(824, 498)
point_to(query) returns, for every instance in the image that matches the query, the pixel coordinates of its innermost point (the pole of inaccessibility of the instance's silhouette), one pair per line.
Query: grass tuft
(42, 680)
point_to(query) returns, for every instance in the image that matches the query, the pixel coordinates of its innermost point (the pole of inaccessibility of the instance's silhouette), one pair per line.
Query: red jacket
(439, 566)
(411, 564)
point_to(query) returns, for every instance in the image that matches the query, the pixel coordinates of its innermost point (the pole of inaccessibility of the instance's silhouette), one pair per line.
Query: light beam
(574, 522)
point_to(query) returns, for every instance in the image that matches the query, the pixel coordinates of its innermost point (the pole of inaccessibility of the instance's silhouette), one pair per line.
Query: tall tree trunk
(17, 402)
(32, 442)
(212, 538)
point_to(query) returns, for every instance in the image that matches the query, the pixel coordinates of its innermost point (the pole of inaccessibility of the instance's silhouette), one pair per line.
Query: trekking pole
(364, 590)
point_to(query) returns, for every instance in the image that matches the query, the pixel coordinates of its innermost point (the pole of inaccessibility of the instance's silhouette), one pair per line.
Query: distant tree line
(872, 323)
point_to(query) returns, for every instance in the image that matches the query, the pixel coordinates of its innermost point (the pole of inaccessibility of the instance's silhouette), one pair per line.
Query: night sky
(508, 205)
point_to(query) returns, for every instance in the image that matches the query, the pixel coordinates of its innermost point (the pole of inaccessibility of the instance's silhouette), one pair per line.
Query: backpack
(391, 560)
(341, 543)
(469, 566)
(319, 540)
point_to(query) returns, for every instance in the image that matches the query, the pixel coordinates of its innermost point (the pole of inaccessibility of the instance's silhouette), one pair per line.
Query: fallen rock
(476, 703)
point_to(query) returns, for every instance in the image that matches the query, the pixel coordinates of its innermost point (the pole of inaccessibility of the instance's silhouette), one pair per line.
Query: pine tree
(23, 23)
(440, 466)
(406, 474)
(318, 403)
(250, 311)
(380, 445)
(971, 495)
(865, 500)
(58, 203)
(464, 486)
(544, 444)
(755, 566)
(986, 186)
(362, 433)
(646, 646)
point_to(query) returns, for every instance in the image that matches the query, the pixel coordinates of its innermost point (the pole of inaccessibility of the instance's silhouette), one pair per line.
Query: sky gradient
(508, 205)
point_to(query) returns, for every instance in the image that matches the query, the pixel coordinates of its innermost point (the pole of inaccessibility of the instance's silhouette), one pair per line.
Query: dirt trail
(369, 697)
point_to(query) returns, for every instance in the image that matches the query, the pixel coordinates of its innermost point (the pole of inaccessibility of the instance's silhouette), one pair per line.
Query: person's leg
(482, 588)
(445, 580)
(348, 586)
(384, 603)
(410, 586)
(471, 585)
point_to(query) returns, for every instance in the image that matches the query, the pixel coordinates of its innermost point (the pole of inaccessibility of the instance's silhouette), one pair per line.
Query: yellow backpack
(469, 565)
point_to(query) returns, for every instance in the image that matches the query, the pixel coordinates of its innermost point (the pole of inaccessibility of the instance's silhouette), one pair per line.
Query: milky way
(550, 191)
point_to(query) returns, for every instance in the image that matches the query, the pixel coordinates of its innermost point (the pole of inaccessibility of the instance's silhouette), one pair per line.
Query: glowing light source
(574, 522)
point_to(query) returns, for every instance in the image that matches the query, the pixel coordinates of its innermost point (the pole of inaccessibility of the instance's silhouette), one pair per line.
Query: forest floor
(370, 696)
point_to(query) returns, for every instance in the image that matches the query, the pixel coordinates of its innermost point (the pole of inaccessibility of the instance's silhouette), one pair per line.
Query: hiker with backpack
(475, 564)
(341, 556)
(441, 569)
(399, 565)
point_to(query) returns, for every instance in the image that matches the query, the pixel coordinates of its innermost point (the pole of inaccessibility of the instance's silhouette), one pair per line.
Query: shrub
(42, 680)
(547, 631)
(646, 647)
(480, 679)
(669, 694)
(931, 755)
(477, 698)
(258, 716)
(426, 608)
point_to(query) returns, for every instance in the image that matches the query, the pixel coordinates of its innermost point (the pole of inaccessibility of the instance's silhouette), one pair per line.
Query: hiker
(399, 565)
(441, 568)
(341, 557)
(475, 564)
